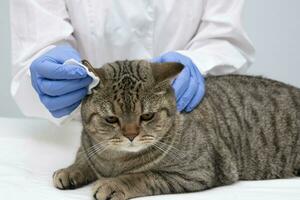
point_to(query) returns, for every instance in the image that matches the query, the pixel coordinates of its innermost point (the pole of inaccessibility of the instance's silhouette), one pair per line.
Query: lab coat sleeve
(36, 27)
(220, 45)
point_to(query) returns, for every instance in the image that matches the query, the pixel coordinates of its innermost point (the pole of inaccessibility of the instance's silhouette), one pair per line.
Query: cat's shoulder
(238, 79)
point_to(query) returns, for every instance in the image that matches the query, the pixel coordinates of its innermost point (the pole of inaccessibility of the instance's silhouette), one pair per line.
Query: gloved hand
(60, 87)
(189, 86)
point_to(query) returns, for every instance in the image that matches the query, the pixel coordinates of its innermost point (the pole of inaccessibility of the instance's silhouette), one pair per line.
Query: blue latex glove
(60, 87)
(189, 86)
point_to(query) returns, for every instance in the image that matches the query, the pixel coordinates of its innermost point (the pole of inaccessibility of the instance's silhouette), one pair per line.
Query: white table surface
(31, 150)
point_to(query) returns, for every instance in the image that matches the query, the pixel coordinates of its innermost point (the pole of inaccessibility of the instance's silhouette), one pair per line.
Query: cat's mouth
(135, 145)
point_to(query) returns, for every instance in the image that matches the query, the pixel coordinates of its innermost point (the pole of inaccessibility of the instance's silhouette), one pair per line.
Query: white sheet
(30, 150)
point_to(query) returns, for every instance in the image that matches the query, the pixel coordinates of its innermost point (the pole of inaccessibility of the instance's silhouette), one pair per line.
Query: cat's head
(134, 105)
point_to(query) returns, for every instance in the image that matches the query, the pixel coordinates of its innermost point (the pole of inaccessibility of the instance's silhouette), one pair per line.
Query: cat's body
(246, 128)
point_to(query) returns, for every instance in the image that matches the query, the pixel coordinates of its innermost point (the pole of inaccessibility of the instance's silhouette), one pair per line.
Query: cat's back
(244, 92)
(255, 120)
(253, 97)
(257, 85)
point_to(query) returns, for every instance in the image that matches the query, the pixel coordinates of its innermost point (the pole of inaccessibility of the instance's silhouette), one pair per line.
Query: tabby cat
(135, 143)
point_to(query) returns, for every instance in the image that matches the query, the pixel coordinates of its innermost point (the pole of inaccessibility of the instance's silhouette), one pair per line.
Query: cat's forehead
(136, 70)
(127, 80)
(127, 74)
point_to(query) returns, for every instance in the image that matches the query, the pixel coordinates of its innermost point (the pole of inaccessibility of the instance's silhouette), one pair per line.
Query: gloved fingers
(181, 83)
(185, 99)
(196, 99)
(34, 82)
(52, 70)
(200, 90)
(59, 102)
(60, 87)
(65, 111)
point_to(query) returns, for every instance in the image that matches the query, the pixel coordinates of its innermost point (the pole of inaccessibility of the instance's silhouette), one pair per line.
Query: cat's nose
(131, 137)
(130, 131)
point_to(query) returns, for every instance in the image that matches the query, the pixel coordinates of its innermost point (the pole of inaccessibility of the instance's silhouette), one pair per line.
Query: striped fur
(246, 128)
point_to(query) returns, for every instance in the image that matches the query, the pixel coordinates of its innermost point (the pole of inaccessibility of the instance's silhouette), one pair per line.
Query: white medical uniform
(207, 31)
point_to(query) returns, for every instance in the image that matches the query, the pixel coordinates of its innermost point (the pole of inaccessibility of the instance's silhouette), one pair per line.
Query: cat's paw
(108, 190)
(68, 179)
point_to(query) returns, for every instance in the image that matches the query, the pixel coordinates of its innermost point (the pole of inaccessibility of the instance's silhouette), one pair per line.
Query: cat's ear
(166, 72)
(99, 72)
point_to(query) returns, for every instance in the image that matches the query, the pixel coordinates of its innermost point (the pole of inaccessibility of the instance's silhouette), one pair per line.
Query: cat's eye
(147, 116)
(111, 119)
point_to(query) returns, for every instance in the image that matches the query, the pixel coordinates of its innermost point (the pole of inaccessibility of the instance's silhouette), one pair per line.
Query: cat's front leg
(146, 184)
(74, 176)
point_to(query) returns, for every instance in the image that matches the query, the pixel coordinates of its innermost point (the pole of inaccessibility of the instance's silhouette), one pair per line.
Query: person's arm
(36, 27)
(221, 45)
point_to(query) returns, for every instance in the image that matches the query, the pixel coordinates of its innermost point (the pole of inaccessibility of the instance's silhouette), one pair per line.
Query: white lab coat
(207, 31)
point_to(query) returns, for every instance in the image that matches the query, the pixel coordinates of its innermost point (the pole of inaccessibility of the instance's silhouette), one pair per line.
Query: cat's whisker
(92, 147)
(97, 153)
(146, 140)
(172, 149)
(92, 150)
(168, 153)
(90, 154)
(169, 145)
(96, 150)
(179, 154)
(159, 148)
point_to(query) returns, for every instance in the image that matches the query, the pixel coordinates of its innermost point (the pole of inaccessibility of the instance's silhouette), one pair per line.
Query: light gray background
(273, 26)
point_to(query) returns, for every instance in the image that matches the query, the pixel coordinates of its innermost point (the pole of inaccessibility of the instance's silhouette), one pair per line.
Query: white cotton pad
(96, 79)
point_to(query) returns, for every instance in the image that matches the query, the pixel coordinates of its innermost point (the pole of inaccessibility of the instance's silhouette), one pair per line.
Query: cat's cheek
(164, 123)
(91, 130)
(99, 130)
(90, 127)
(157, 128)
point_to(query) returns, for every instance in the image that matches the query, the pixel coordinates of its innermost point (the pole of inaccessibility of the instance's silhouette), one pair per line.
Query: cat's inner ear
(168, 71)
(97, 72)
(89, 66)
